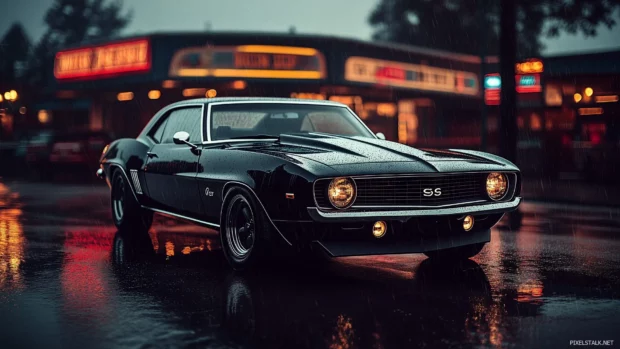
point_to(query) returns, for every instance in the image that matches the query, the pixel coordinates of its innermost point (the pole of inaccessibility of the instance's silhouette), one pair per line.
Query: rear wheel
(243, 230)
(455, 254)
(126, 211)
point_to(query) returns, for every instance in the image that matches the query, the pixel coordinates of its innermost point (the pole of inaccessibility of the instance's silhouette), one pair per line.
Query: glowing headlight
(341, 192)
(497, 185)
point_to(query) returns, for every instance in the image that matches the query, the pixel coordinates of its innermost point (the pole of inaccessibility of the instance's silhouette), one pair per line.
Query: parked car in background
(38, 149)
(77, 151)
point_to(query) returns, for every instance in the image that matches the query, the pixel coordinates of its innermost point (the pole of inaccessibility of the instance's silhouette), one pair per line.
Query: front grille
(408, 191)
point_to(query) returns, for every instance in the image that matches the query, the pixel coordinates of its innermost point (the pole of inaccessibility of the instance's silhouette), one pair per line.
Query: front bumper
(404, 215)
(417, 244)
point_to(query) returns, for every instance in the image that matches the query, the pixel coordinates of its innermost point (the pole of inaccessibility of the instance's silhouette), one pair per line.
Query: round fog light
(468, 223)
(379, 229)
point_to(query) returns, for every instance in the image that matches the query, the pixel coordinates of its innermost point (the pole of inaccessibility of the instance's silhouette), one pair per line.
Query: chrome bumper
(404, 215)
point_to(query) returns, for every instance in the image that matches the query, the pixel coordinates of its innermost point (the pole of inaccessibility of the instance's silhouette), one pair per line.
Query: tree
(73, 22)
(14, 48)
(454, 25)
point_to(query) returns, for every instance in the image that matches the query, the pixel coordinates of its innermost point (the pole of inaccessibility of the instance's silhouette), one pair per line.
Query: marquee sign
(411, 76)
(249, 61)
(97, 61)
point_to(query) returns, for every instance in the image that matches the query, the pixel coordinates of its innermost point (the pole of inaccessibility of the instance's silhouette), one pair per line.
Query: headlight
(341, 192)
(497, 185)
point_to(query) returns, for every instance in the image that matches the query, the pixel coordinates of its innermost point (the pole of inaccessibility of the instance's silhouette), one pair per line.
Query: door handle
(151, 155)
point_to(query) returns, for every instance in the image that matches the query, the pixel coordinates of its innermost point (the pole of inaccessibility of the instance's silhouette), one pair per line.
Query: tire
(455, 254)
(244, 230)
(127, 214)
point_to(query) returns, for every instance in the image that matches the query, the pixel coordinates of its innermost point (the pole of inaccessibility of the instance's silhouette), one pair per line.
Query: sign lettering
(125, 57)
(412, 76)
(249, 61)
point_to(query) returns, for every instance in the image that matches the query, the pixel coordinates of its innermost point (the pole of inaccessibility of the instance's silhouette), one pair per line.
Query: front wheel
(243, 230)
(455, 254)
(126, 211)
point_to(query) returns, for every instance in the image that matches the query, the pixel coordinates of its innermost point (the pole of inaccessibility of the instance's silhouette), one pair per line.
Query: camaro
(304, 175)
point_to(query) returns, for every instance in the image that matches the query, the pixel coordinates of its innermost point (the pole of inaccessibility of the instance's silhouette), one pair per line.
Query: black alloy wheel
(127, 214)
(243, 229)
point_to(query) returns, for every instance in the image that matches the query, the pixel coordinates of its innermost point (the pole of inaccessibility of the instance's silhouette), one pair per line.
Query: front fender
(124, 155)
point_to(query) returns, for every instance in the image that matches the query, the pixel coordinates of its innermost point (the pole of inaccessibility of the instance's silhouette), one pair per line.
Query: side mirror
(182, 137)
(380, 135)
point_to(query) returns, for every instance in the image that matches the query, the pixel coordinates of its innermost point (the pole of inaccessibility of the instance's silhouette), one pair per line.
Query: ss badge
(431, 192)
(208, 192)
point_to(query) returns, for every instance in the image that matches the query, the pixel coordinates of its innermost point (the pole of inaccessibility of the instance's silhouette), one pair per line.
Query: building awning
(62, 104)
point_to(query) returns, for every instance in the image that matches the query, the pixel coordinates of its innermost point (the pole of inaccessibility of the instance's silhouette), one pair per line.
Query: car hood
(361, 155)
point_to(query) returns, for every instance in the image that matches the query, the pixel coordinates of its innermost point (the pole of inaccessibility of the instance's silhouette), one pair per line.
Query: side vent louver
(136, 181)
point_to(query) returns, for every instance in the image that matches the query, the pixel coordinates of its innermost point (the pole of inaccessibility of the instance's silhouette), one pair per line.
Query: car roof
(257, 100)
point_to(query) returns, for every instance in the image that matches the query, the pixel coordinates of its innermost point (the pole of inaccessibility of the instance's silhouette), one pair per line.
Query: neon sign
(529, 67)
(411, 76)
(249, 61)
(529, 83)
(111, 59)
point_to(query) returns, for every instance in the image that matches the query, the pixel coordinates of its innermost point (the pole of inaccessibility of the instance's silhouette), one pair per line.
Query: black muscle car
(304, 175)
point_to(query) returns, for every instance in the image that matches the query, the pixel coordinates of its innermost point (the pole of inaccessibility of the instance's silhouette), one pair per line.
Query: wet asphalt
(68, 279)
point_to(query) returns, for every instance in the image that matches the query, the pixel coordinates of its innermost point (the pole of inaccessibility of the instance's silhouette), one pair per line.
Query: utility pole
(508, 107)
(483, 71)
(508, 99)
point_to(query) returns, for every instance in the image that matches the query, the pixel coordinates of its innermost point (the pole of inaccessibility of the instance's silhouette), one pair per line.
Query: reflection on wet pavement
(85, 285)
(11, 248)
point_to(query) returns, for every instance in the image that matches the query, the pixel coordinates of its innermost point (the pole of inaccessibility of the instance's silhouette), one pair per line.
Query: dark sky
(346, 18)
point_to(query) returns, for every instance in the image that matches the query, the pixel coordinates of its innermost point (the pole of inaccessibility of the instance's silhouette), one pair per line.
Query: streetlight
(10, 96)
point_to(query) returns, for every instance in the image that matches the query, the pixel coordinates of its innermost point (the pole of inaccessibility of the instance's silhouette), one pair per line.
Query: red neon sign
(112, 59)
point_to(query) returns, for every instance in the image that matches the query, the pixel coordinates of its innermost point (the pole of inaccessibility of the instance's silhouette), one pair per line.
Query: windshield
(247, 120)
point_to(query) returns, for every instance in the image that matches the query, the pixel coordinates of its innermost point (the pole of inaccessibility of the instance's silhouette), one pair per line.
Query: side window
(185, 119)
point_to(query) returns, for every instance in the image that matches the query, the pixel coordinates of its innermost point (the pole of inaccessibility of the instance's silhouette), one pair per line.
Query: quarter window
(158, 131)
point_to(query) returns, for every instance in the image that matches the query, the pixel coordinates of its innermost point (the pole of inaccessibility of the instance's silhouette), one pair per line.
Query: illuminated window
(606, 99)
(590, 111)
(535, 122)
(194, 92)
(124, 96)
(169, 84)
(154, 94)
(239, 85)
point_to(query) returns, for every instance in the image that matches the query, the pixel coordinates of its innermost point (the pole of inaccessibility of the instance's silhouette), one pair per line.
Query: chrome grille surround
(405, 191)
